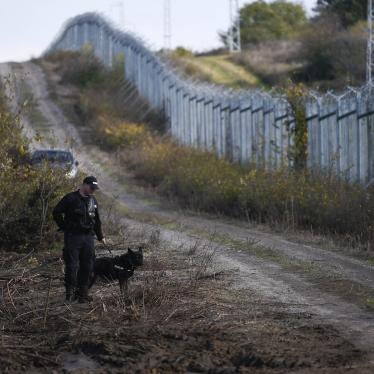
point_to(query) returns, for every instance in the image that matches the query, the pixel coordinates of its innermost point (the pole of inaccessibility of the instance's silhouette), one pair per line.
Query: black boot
(83, 295)
(76, 294)
(69, 294)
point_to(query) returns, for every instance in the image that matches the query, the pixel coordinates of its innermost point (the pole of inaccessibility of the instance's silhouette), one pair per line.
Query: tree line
(332, 41)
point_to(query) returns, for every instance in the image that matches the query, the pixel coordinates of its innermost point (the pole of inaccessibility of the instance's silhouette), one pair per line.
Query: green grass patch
(218, 69)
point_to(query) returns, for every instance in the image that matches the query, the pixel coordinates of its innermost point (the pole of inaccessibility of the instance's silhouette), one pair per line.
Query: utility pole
(121, 12)
(370, 46)
(167, 25)
(234, 38)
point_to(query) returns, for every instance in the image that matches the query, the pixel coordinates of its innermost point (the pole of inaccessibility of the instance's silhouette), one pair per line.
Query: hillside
(217, 69)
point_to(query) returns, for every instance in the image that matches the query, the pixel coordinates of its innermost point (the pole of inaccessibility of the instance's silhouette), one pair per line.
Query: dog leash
(109, 250)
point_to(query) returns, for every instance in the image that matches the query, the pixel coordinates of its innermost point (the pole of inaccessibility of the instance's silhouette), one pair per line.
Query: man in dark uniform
(77, 215)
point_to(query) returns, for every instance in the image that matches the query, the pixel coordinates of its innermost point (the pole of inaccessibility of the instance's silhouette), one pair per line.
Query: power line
(167, 25)
(234, 37)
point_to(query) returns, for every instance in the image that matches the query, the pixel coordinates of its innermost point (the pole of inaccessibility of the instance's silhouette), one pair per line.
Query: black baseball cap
(92, 181)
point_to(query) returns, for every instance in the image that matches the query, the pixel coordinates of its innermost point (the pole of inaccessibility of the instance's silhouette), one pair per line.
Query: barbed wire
(244, 125)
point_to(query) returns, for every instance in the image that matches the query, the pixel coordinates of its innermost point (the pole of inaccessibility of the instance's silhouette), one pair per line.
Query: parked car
(59, 159)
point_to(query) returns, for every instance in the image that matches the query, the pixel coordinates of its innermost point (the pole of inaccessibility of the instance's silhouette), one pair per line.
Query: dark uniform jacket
(78, 215)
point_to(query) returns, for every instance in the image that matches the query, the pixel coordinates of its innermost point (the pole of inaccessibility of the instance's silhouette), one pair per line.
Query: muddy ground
(180, 315)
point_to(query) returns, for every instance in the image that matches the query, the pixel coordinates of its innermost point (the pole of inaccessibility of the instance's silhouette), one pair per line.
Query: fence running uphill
(244, 126)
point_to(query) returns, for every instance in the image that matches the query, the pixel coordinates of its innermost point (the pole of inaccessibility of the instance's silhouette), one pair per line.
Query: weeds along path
(334, 288)
(13, 85)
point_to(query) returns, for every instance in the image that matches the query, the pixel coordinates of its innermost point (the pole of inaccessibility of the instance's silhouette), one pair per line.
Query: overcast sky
(28, 26)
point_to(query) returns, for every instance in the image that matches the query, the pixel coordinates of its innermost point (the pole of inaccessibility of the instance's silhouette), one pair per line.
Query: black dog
(119, 267)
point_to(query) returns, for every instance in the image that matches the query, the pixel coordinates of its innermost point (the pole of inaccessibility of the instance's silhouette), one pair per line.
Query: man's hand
(103, 240)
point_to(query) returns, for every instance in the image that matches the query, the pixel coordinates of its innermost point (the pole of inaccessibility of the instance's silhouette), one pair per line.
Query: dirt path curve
(260, 275)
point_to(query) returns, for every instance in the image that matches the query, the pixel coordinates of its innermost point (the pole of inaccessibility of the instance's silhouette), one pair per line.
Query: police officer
(77, 215)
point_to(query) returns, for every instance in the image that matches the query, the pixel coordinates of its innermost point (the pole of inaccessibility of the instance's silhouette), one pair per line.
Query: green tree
(333, 56)
(261, 21)
(349, 11)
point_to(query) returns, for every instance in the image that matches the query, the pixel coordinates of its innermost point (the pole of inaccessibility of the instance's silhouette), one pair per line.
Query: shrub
(333, 54)
(182, 52)
(27, 194)
(79, 68)
(274, 62)
(116, 133)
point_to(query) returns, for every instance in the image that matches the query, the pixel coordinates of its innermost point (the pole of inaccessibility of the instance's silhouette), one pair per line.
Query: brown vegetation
(274, 62)
(27, 194)
(180, 315)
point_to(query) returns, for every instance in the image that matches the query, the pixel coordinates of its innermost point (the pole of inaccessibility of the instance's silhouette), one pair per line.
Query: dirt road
(333, 287)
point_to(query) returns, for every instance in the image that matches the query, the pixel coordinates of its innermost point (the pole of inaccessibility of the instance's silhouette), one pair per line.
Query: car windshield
(62, 157)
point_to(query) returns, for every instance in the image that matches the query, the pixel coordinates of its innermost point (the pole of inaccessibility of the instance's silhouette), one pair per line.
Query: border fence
(249, 126)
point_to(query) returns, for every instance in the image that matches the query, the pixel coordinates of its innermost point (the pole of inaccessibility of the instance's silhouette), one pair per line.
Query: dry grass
(167, 289)
(273, 62)
(180, 315)
(99, 99)
(199, 180)
(217, 69)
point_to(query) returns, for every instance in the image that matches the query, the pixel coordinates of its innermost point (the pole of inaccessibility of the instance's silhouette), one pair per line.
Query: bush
(274, 62)
(334, 54)
(348, 55)
(27, 194)
(182, 52)
(79, 68)
(116, 133)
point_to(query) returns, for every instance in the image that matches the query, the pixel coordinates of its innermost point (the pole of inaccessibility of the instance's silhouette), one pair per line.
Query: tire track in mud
(262, 276)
